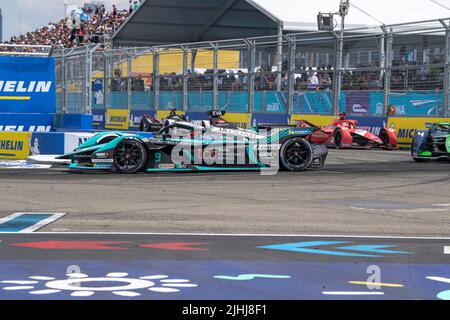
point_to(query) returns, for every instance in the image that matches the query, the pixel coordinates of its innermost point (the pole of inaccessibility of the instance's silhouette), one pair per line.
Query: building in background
(1, 26)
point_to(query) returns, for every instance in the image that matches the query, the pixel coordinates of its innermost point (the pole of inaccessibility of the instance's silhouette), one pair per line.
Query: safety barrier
(406, 128)
(21, 145)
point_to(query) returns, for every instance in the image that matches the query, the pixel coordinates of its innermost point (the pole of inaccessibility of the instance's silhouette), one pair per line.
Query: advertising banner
(406, 127)
(270, 102)
(26, 122)
(74, 140)
(136, 116)
(162, 114)
(56, 143)
(270, 118)
(419, 104)
(320, 121)
(357, 102)
(372, 124)
(241, 120)
(197, 116)
(99, 118)
(14, 145)
(27, 85)
(47, 143)
(315, 102)
(117, 119)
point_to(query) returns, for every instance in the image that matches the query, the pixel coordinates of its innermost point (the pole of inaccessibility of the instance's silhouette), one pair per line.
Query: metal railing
(405, 65)
(25, 50)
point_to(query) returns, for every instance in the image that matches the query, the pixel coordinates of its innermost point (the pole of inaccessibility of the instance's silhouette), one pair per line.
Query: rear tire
(296, 154)
(130, 156)
(338, 139)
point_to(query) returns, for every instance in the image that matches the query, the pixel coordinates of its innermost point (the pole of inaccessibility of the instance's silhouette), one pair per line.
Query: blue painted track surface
(213, 268)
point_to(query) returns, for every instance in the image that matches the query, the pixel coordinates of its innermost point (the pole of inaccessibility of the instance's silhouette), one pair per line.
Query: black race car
(433, 143)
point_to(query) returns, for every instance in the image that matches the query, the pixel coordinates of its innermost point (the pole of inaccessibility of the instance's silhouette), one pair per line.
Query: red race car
(344, 133)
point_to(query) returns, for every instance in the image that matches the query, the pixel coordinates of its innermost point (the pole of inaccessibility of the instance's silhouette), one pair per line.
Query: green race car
(433, 143)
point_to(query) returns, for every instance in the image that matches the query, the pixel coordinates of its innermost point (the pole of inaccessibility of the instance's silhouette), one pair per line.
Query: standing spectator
(313, 80)
(131, 7)
(80, 35)
(114, 12)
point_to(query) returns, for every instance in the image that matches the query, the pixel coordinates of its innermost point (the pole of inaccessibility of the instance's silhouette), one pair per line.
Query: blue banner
(27, 85)
(136, 116)
(26, 122)
(372, 124)
(47, 143)
(270, 118)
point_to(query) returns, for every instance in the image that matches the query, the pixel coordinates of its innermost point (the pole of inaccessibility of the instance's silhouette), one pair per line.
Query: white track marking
(439, 279)
(353, 293)
(238, 235)
(54, 216)
(447, 250)
(417, 210)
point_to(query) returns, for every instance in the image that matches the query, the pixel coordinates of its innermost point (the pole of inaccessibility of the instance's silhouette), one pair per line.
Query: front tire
(130, 156)
(421, 160)
(384, 137)
(296, 154)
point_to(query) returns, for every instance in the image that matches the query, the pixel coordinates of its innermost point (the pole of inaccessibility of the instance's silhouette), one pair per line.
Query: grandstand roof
(162, 22)
(159, 22)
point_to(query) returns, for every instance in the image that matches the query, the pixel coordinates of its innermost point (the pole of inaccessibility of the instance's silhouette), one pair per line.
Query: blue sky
(21, 16)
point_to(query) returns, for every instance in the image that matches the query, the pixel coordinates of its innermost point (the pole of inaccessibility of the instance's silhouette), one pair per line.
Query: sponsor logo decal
(166, 166)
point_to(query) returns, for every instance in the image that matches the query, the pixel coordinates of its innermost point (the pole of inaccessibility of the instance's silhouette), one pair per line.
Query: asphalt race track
(371, 225)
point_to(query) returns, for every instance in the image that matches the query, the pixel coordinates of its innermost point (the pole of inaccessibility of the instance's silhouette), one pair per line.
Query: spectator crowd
(91, 25)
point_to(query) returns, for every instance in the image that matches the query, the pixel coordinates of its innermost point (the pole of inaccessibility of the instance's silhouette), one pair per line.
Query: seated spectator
(97, 27)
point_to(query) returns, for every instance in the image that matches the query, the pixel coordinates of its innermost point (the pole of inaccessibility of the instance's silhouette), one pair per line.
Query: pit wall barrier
(21, 145)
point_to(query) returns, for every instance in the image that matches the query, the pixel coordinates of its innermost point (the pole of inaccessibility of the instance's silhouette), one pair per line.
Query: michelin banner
(26, 122)
(117, 119)
(27, 85)
(14, 145)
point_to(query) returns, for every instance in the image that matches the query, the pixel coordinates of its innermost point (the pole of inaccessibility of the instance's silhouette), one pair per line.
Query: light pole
(343, 11)
(65, 9)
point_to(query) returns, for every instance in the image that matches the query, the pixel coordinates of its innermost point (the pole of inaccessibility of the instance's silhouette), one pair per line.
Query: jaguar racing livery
(433, 143)
(184, 146)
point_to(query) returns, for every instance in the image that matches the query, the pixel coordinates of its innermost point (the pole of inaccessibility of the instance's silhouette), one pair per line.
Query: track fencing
(404, 65)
